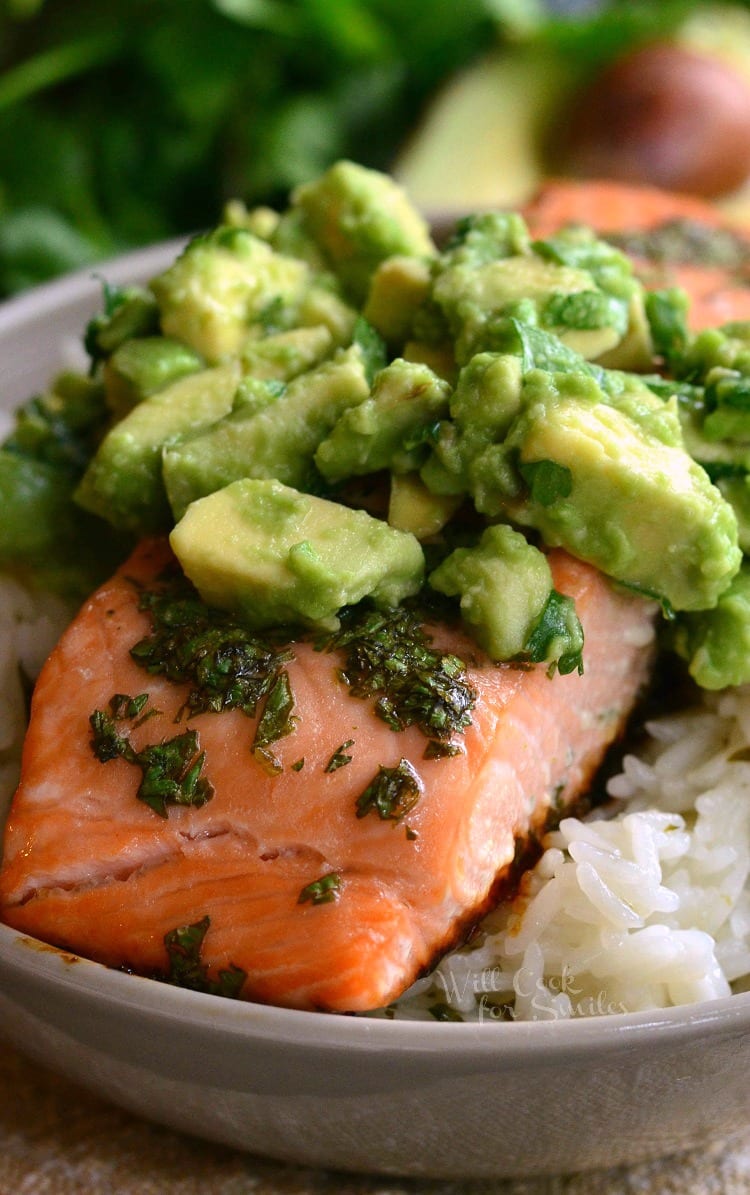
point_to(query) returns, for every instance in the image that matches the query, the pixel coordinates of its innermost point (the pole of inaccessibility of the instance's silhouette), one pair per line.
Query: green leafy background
(127, 122)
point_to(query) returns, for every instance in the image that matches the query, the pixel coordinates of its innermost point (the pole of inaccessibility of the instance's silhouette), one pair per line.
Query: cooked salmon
(676, 240)
(91, 868)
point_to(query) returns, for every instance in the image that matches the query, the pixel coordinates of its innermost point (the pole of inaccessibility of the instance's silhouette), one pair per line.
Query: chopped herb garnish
(172, 773)
(191, 643)
(388, 654)
(557, 636)
(322, 891)
(298, 764)
(547, 481)
(275, 723)
(171, 770)
(392, 794)
(186, 968)
(439, 750)
(123, 706)
(339, 759)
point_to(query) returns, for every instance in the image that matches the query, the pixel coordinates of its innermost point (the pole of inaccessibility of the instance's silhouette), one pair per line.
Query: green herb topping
(547, 481)
(275, 723)
(322, 891)
(171, 770)
(387, 654)
(186, 968)
(392, 794)
(557, 622)
(340, 759)
(225, 665)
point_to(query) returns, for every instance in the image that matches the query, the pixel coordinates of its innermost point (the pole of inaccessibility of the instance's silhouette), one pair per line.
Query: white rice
(644, 909)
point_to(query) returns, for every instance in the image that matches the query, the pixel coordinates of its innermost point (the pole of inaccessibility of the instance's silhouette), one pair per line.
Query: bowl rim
(26, 957)
(64, 972)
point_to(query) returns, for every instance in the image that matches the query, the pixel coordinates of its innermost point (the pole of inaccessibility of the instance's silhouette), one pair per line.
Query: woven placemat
(56, 1139)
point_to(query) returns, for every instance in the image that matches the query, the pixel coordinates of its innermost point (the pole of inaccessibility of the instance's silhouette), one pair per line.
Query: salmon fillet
(702, 251)
(92, 869)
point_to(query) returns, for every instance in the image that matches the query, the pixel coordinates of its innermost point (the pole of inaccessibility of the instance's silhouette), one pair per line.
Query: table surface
(56, 1139)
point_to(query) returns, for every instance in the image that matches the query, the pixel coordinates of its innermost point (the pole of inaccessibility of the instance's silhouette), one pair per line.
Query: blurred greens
(125, 123)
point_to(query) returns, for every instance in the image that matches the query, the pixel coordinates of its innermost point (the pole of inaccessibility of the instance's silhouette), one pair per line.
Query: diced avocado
(44, 537)
(484, 237)
(727, 347)
(260, 221)
(283, 355)
(292, 235)
(128, 312)
(359, 217)
(735, 489)
(279, 441)
(483, 406)
(123, 483)
(398, 288)
(716, 643)
(255, 394)
(322, 304)
(575, 286)
(224, 282)
(595, 481)
(63, 425)
(390, 428)
(139, 368)
(273, 555)
(411, 506)
(505, 589)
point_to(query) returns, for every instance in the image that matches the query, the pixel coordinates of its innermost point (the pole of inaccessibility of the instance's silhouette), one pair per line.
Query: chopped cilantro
(557, 635)
(321, 891)
(171, 770)
(340, 759)
(547, 481)
(191, 643)
(275, 722)
(387, 654)
(392, 794)
(186, 968)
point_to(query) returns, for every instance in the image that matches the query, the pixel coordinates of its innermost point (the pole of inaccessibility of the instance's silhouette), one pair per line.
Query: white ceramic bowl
(485, 1100)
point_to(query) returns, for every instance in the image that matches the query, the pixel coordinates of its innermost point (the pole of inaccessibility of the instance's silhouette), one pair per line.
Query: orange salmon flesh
(90, 868)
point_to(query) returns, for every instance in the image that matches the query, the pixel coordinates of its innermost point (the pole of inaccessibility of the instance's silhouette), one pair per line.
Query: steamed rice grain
(644, 909)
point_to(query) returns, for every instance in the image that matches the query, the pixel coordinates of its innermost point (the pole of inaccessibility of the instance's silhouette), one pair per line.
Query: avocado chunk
(716, 643)
(281, 356)
(483, 406)
(412, 507)
(508, 600)
(575, 286)
(596, 481)
(398, 288)
(140, 367)
(128, 312)
(389, 429)
(273, 555)
(123, 482)
(222, 284)
(278, 441)
(359, 217)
